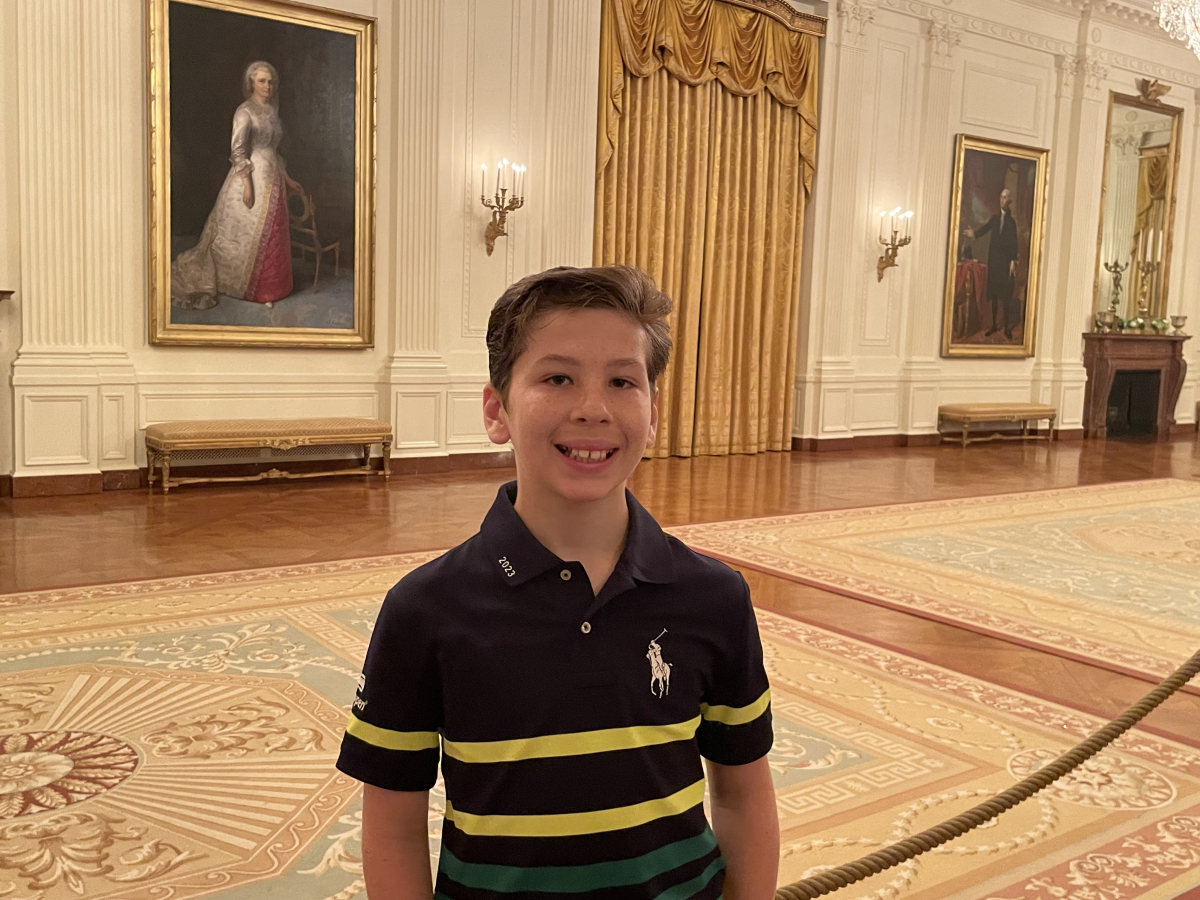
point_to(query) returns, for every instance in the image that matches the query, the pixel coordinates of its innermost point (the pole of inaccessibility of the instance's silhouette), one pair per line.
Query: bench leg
(151, 459)
(387, 459)
(1050, 431)
(366, 456)
(966, 431)
(165, 462)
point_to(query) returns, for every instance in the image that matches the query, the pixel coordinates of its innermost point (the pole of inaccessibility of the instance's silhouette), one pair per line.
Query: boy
(572, 662)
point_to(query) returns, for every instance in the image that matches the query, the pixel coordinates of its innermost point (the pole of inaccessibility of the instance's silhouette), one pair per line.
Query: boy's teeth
(588, 455)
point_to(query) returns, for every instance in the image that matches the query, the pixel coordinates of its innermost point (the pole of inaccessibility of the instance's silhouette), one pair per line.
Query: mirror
(1137, 203)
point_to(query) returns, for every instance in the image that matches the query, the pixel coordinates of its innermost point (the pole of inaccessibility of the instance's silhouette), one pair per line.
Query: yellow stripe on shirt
(736, 715)
(576, 744)
(388, 739)
(567, 824)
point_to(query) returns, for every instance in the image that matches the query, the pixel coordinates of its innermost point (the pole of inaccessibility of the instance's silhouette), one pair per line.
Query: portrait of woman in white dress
(244, 251)
(262, 174)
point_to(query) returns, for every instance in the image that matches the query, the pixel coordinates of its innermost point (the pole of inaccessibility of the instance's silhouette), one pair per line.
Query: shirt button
(586, 627)
(565, 574)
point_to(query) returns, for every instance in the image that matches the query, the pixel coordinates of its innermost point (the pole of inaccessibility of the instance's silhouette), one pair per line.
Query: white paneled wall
(464, 82)
(460, 82)
(902, 78)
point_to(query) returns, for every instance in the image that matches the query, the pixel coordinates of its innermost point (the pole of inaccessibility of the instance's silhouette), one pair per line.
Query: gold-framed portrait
(993, 266)
(262, 174)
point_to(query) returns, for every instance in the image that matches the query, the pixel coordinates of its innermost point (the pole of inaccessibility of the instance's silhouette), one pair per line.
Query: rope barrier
(902, 851)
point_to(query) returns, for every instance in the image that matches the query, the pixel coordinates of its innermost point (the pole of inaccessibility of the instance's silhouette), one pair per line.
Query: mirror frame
(1176, 114)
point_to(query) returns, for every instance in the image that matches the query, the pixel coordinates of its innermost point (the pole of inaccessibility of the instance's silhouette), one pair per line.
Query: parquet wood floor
(119, 536)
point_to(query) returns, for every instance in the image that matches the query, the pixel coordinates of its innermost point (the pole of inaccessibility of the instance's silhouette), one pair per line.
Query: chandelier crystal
(1181, 20)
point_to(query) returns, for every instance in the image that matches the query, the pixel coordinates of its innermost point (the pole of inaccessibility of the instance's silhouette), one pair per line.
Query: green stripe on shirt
(691, 888)
(577, 879)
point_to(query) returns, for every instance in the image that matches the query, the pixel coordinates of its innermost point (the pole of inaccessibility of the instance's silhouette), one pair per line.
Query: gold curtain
(1149, 228)
(706, 152)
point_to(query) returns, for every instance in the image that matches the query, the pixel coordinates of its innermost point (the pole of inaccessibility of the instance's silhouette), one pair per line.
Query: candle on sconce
(483, 180)
(506, 183)
(499, 169)
(882, 214)
(908, 223)
(895, 212)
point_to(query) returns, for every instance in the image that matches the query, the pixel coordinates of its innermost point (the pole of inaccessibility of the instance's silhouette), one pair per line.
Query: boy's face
(580, 409)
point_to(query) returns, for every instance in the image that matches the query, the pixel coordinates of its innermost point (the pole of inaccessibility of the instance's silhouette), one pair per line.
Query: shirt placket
(588, 621)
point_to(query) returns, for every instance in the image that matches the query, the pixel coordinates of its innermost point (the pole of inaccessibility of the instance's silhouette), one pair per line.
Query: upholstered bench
(967, 414)
(278, 434)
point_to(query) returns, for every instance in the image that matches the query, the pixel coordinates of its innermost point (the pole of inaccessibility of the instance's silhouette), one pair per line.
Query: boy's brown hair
(620, 288)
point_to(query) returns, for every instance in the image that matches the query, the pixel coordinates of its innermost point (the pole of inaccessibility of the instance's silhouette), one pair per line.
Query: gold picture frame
(997, 211)
(289, 188)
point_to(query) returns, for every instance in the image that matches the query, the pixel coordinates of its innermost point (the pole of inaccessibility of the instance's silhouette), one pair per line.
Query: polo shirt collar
(517, 556)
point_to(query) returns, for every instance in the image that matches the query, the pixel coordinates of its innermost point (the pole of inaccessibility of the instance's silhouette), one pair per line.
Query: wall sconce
(893, 244)
(510, 178)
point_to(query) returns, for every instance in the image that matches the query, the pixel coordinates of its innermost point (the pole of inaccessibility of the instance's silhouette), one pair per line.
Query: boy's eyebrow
(570, 360)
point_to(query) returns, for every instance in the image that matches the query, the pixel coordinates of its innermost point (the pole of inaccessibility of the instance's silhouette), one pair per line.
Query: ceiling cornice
(937, 12)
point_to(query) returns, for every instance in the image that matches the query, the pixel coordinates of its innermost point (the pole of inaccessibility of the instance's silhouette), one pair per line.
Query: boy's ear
(653, 432)
(495, 416)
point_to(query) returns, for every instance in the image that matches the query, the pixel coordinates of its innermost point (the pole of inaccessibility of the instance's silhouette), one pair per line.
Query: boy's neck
(591, 533)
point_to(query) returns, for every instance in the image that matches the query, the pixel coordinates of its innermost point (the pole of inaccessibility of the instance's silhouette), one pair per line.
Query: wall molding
(984, 27)
(471, 212)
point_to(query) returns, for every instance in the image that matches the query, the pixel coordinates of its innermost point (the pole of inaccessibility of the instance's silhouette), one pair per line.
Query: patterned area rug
(1109, 573)
(176, 738)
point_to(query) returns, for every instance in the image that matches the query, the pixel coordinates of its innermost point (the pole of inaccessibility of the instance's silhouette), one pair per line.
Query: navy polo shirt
(569, 726)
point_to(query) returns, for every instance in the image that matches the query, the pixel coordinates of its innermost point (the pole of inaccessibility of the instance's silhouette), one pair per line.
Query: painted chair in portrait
(306, 238)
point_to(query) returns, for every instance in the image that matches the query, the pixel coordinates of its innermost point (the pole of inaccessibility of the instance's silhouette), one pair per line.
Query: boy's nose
(591, 406)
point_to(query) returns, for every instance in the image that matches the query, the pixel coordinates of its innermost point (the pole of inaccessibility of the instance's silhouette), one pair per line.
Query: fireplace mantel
(1106, 354)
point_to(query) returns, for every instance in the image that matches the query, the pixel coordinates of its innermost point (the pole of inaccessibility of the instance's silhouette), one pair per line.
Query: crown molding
(1142, 67)
(981, 26)
(985, 27)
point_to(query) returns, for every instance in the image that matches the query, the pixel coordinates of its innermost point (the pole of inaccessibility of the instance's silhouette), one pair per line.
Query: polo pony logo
(660, 672)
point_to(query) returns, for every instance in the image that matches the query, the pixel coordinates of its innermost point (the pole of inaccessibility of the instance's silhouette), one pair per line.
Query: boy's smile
(580, 410)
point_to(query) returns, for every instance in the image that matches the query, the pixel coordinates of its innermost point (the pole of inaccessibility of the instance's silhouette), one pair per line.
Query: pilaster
(827, 396)
(73, 383)
(1066, 378)
(570, 130)
(922, 365)
(418, 374)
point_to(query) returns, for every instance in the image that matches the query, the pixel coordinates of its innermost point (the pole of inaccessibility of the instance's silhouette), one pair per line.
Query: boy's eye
(558, 380)
(622, 383)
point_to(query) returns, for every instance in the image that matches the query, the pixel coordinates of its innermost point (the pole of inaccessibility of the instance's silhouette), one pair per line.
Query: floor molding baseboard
(876, 441)
(133, 479)
(865, 442)
(57, 485)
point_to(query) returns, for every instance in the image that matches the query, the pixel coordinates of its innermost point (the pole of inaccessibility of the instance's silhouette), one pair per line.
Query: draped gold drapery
(1150, 227)
(706, 149)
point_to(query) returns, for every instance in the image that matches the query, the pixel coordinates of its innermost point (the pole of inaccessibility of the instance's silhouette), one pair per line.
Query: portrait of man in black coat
(1003, 251)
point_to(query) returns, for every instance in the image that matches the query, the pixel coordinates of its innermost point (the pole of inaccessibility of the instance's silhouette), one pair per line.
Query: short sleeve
(735, 717)
(392, 736)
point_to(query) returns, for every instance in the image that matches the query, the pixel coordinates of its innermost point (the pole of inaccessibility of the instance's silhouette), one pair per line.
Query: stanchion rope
(902, 851)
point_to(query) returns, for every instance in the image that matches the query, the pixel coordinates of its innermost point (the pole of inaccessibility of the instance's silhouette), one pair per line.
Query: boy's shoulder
(694, 569)
(438, 579)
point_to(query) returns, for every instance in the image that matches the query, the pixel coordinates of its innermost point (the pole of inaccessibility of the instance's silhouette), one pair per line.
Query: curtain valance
(698, 41)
